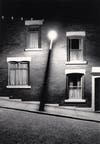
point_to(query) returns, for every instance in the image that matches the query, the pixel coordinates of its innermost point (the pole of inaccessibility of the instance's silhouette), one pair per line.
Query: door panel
(97, 94)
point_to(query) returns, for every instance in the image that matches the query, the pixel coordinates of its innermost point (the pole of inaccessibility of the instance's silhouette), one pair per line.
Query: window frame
(71, 72)
(31, 27)
(68, 87)
(19, 60)
(76, 35)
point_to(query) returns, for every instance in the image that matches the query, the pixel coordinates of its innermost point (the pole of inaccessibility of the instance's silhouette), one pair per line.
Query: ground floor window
(74, 86)
(18, 72)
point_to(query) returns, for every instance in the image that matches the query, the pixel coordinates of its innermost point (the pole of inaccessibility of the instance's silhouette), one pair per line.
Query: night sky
(66, 10)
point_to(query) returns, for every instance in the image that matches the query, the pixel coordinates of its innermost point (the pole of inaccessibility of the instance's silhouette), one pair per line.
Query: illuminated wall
(13, 44)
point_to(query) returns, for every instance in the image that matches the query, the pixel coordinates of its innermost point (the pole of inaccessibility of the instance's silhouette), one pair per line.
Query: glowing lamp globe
(52, 35)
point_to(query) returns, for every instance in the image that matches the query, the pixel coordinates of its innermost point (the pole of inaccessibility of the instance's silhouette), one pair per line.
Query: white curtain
(75, 86)
(75, 93)
(33, 40)
(23, 74)
(12, 77)
(18, 74)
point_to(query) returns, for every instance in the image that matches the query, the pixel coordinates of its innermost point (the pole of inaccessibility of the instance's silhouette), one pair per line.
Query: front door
(97, 94)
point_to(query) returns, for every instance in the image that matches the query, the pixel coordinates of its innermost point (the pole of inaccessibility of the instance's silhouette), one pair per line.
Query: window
(18, 74)
(33, 34)
(75, 85)
(75, 46)
(33, 38)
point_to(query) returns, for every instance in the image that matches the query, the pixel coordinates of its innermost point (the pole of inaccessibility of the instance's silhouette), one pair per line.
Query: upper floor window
(75, 46)
(18, 73)
(33, 34)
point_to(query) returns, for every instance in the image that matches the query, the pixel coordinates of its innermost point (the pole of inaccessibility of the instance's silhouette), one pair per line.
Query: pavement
(85, 114)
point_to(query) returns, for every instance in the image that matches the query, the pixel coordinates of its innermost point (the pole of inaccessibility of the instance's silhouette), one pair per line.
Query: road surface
(20, 127)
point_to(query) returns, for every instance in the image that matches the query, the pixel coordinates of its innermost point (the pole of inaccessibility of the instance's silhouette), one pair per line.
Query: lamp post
(52, 35)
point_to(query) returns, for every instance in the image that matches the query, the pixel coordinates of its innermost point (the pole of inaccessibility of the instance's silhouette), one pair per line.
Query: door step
(8, 98)
(19, 100)
(2, 97)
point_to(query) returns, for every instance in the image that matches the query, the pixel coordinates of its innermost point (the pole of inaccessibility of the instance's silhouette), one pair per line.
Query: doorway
(97, 94)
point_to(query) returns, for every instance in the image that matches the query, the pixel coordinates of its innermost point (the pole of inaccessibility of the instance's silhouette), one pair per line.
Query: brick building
(74, 67)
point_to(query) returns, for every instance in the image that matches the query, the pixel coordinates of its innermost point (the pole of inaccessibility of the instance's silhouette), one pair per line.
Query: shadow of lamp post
(52, 35)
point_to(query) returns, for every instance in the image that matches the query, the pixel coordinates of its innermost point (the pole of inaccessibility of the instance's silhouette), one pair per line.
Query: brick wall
(12, 44)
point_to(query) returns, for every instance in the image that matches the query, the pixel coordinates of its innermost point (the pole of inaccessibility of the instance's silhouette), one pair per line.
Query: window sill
(75, 100)
(18, 86)
(76, 62)
(34, 49)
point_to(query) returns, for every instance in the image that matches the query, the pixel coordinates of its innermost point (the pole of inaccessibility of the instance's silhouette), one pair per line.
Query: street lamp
(52, 35)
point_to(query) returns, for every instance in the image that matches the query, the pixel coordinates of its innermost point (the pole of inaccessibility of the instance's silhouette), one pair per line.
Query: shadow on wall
(44, 91)
(88, 98)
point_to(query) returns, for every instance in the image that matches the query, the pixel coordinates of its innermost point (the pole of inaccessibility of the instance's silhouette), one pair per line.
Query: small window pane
(25, 77)
(75, 80)
(32, 39)
(13, 65)
(74, 43)
(17, 77)
(12, 77)
(24, 65)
